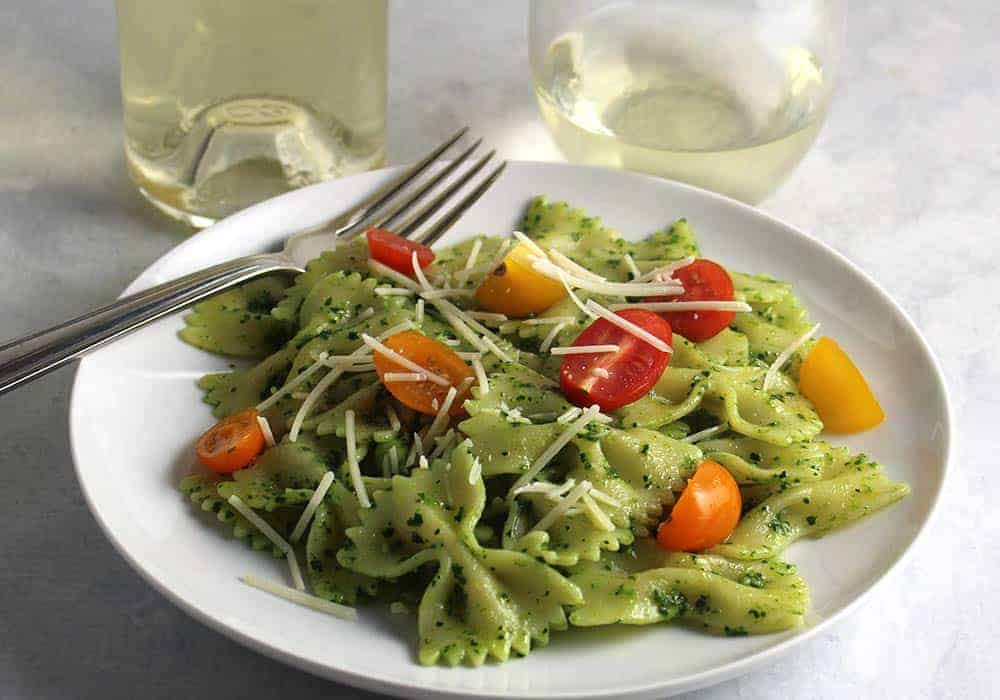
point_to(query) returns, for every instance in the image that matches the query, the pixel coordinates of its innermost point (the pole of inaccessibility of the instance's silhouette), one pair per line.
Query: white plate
(136, 411)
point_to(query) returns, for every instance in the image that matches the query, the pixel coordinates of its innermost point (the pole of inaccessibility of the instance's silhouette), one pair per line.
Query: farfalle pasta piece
(709, 593)
(349, 256)
(280, 477)
(811, 510)
(638, 469)
(238, 322)
(327, 534)
(481, 602)
(203, 492)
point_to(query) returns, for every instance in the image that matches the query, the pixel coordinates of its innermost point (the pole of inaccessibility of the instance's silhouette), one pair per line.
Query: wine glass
(724, 94)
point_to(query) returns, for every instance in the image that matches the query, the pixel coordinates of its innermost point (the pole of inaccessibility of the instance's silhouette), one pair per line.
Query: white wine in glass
(724, 94)
(228, 103)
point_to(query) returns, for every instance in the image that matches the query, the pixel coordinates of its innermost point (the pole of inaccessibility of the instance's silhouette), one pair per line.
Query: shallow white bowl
(136, 411)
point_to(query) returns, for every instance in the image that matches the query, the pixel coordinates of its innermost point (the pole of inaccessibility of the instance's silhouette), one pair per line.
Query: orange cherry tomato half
(614, 379)
(703, 280)
(231, 444)
(436, 357)
(397, 252)
(706, 512)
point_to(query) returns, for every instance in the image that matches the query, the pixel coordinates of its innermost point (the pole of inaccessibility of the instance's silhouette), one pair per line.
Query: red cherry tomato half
(397, 252)
(703, 280)
(628, 374)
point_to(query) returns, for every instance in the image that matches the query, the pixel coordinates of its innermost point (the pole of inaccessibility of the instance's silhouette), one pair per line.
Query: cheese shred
(352, 460)
(344, 612)
(318, 495)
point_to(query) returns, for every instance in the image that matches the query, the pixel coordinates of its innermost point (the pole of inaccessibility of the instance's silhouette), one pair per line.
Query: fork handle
(31, 356)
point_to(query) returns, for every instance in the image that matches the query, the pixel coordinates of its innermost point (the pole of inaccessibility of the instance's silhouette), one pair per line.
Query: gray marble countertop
(905, 180)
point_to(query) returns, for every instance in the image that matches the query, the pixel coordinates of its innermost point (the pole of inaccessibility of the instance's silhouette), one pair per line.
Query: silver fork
(31, 356)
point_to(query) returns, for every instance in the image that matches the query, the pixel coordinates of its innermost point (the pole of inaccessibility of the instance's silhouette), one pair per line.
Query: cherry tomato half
(628, 374)
(231, 444)
(516, 289)
(703, 280)
(706, 512)
(436, 357)
(397, 252)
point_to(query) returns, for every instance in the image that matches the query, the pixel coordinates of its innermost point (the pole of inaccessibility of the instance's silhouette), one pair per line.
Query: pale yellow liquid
(228, 103)
(658, 96)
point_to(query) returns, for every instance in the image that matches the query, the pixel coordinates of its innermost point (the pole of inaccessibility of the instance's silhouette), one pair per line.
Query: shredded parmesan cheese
(475, 471)
(584, 349)
(310, 601)
(551, 337)
(259, 523)
(738, 306)
(398, 328)
(393, 417)
(321, 386)
(604, 498)
(404, 377)
(318, 495)
(785, 356)
(293, 567)
(706, 433)
(547, 320)
(352, 461)
(473, 254)
(619, 289)
(572, 267)
(534, 247)
(419, 316)
(628, 326)
(265, 428)
(495, 349)
(480, 370)
(499, 257)
(418, 272)
(443, 443)
(487, 316)
(397, 277)
(597, 516)
(417, 447)
(432, 294)
(664, 272)
(569, 414)
(303, 376)
(553, 449)
(393, 292)
(632, 268)
(564, 505)
(442, 417)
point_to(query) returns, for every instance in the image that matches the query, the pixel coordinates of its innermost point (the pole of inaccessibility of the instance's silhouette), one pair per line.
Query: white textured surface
(904, 180)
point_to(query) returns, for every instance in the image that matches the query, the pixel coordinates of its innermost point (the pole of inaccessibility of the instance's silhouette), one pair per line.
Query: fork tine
(374, 202)
(386, 220)
(410, 226)
(430, 236)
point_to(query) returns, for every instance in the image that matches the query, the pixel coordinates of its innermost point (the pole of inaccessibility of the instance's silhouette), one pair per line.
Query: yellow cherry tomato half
(516, 289)
(838, 390)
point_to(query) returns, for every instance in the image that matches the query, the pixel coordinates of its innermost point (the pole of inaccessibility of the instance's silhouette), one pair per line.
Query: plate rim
(684, 683)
